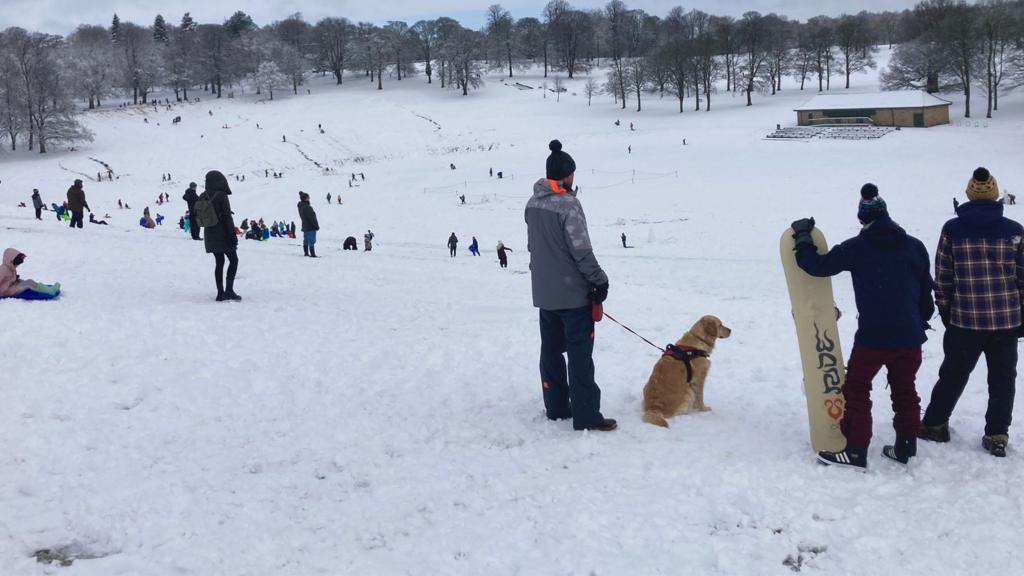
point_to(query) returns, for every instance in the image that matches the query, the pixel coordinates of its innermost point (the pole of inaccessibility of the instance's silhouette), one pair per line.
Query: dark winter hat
(982, 186)
(192, 184)
(303, 196)
(560, 165)
(871, 206)
(216, 181)
(78, 181)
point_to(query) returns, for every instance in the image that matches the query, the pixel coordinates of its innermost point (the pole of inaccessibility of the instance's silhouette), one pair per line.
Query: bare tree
(465, 49)
(1002, 32)
(753, 40)
(90, 49)
(778, 44)
(425, 38)
(333, 36)
(590, 88)
(500, 33)
(854, 43)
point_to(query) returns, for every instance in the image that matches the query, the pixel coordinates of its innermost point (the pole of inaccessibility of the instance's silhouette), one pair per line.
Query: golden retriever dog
(672, 389)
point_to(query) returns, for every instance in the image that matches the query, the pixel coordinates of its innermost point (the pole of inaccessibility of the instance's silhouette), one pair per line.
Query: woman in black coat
(220, 239)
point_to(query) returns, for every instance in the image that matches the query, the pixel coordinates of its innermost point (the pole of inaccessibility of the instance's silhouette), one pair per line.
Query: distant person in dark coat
(893, 289)
(350, 243)
(190, 198)
(309, 225)
(453, 244)
(37, 203)
(474, 247)
(77, 204)
(503, 255)
(220, 239)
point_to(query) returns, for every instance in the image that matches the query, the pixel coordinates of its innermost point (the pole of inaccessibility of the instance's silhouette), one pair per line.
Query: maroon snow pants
(901, 365)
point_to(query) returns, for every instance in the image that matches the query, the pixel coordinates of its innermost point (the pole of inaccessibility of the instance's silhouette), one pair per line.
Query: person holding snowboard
(453, 244)
(368, 241)
(503, 254)
(190, 198)
(979, 276)
(37, 203)
(567, 280)
(309, 225)
(77, 204)
(220, 239)
(474, 248)
(893, 290)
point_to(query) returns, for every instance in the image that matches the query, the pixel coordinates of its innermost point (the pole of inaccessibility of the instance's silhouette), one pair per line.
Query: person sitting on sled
(13, 286)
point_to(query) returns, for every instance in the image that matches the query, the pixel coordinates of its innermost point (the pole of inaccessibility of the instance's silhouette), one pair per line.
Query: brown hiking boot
(996, 444)
(939, 433)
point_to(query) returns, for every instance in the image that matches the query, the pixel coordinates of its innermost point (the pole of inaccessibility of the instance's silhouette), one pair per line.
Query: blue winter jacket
(891, 283)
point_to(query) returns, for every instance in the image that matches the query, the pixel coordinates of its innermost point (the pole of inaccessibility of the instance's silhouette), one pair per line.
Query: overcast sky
(62, 16)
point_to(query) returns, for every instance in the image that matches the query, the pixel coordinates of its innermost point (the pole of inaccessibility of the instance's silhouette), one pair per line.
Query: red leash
(598, 311)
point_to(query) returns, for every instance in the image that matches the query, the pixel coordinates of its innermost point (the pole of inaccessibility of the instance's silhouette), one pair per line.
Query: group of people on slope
(474, 249)
(979, 294)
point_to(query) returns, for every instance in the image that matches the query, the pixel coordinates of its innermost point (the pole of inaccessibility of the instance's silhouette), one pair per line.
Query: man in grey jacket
(566, 281)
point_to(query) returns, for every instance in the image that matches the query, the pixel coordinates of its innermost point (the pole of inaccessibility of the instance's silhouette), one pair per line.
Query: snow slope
(380, 413)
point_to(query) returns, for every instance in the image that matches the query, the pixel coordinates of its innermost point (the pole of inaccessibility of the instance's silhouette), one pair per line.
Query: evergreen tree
(187, 23)
(115, 29)
(238, 23)
(160, 29)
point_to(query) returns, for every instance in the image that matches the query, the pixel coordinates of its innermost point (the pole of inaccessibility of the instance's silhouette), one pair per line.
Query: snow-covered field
(380, 413)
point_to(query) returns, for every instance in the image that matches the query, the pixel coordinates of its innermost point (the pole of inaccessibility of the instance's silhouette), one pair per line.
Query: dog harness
(685, 354)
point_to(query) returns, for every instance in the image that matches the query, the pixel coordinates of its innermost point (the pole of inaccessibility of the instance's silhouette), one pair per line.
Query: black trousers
(218, 271)
(193, 228)
(76, 219)
(569, 393)
(962, 349)
(39, 213)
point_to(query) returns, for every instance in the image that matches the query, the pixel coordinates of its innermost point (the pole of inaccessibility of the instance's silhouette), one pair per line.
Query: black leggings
(218, 271)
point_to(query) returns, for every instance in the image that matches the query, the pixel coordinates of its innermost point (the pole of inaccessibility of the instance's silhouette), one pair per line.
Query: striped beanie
(871, 206)
(982, 186)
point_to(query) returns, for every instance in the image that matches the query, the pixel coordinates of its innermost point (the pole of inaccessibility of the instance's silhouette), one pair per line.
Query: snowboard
(817, 331)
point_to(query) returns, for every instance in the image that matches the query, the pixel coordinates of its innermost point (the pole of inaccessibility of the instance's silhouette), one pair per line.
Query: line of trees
(940, 45)
(955, 46)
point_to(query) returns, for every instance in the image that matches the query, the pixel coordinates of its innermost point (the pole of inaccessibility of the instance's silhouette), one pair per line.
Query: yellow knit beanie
(982, 186)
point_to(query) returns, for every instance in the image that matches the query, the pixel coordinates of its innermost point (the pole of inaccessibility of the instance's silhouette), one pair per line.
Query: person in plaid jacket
(979, 275)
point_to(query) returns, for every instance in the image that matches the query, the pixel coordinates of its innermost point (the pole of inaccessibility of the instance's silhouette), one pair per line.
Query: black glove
(944, 316)
(802, 226)
(1020, 331)
(802, 233)
(599, 293)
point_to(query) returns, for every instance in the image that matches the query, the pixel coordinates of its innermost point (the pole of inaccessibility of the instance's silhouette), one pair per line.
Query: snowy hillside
(381, 413)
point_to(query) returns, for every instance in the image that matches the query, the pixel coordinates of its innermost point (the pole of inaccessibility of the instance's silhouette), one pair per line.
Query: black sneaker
(995, 444)
(902, 451)
(939, 433)
(606, 425)
(232, 296)
(853, 458)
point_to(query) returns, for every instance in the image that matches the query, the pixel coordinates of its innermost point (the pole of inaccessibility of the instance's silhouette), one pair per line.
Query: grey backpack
(204, 213)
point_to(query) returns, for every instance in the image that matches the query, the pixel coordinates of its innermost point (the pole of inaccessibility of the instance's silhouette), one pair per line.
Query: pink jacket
(9, 285)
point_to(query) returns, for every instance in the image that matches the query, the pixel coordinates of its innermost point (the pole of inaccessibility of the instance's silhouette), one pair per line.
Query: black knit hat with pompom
(560, 165)
(871, 206)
